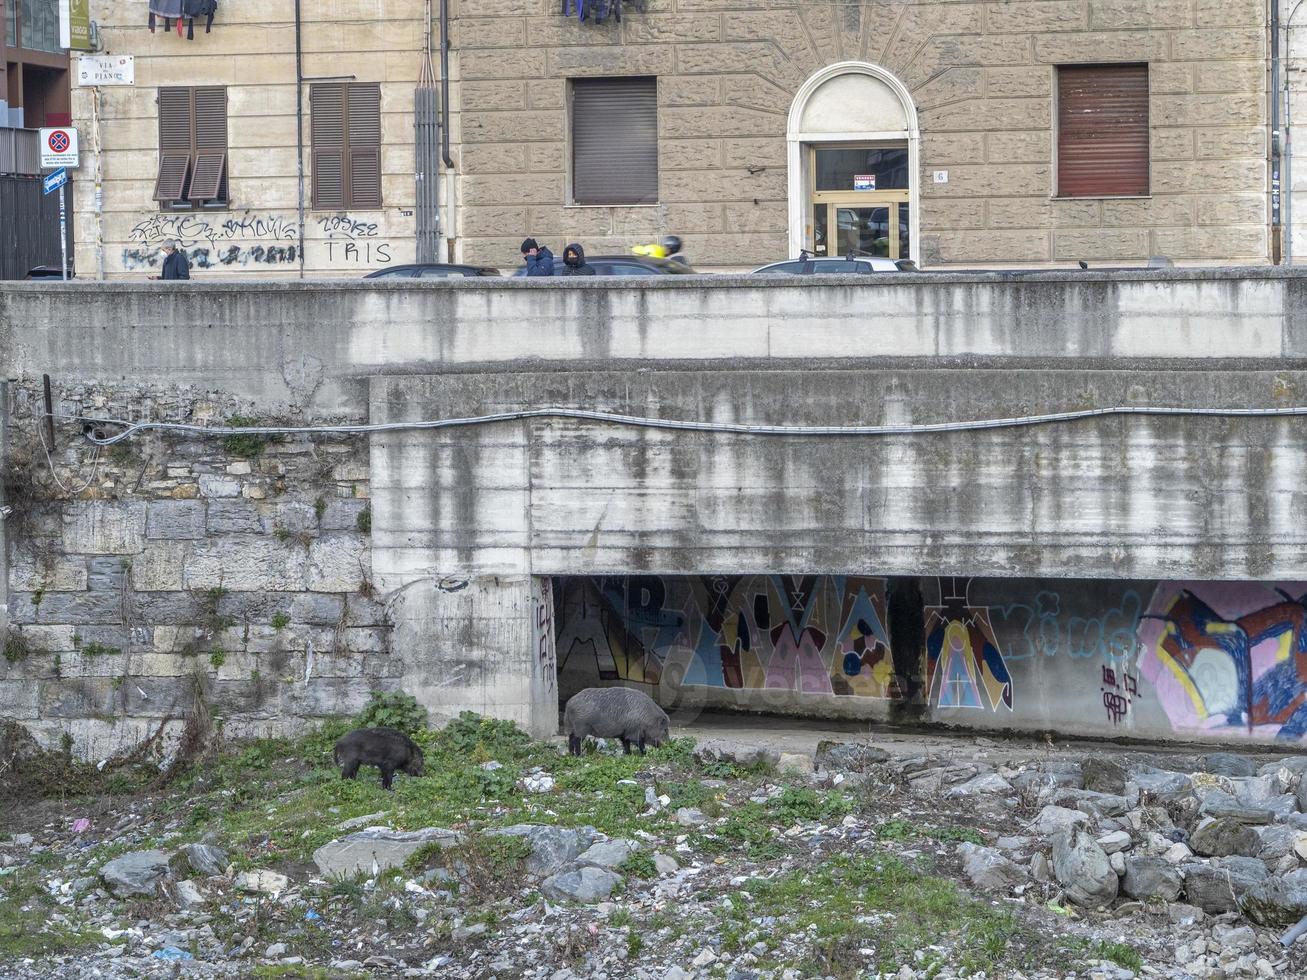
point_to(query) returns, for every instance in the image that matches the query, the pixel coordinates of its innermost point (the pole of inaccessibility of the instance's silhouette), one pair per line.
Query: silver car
(817, 266)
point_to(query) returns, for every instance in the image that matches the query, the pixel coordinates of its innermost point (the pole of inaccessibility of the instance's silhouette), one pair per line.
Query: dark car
(626, 265)
(45, 272)
(432, 270)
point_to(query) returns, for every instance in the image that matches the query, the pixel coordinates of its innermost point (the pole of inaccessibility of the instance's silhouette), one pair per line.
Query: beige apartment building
(1005, 132)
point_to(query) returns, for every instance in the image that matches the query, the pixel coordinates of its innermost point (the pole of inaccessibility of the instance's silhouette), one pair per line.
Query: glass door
(857, 227)
(860, 203)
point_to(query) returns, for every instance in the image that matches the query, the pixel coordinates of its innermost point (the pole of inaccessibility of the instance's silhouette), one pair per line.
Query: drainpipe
(444, 128)
(299, 132)
(1276, 251)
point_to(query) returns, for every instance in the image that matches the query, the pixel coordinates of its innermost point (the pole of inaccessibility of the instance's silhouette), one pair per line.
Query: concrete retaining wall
(447, 593)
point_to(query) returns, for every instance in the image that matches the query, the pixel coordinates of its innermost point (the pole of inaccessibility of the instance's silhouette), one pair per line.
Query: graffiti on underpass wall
(965, 667)
(1229, 655)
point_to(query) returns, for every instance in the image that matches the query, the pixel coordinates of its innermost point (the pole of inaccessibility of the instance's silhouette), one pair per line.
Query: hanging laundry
(199, 8)
(169, 10)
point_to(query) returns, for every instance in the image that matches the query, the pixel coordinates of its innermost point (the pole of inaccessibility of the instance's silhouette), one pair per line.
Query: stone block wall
(167, 569)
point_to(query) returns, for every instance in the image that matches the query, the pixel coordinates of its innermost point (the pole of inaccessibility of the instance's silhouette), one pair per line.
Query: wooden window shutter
(175, 144)
(1102, 130)
(209, 171)
(615, 140)
(363, 132)
(327, 124)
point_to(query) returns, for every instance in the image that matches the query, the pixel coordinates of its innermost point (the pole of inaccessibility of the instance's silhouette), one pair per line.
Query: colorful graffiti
(1229, 655)
(812, 634)
(1046, 631)
(964, 666)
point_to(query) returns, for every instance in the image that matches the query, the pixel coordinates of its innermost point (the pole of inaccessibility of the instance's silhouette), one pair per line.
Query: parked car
(45, 272)
(853, 265)
(432, 270)
(626, 265)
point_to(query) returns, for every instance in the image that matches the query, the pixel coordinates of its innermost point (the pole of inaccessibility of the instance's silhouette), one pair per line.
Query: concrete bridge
(1118, 574)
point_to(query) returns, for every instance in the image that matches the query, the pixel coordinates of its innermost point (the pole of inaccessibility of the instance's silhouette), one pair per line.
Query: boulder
(688, 816)
(1095, 804)
(552, 848)
(1151, 879)
(1035, 779)
(1278, 840)
(1039, 869)
(856, 756)
(665, 864)
(742, 755)
(1159, 783)
(135, 873)
(1118, 840)
(1052, 819)
(608, 854)
(188, 895)
(1082, 868)
(262, 882)
(1102, 775)
(205, 859)
(990, 782)
(1228, 764)
(795, 762)
(989, 869)
(1222, 836)
(377, 848)
(1216, 889)
(1275, 902)
(586, 885)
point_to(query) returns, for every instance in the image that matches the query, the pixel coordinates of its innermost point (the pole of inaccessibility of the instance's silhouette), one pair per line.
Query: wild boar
(389, 749)
(614, 712)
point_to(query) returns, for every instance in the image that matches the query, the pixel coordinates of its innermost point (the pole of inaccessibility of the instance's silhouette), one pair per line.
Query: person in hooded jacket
(574, 262)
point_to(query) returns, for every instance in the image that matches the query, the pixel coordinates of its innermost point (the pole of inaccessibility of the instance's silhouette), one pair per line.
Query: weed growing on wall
(393, 709)
(364, 521)
(280, 621)
(246, 446)
(16, 647)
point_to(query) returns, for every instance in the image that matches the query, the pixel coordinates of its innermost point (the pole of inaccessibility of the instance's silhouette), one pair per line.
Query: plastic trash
(171, 953)
(311, 916)
(81, 825)
(1290, 937)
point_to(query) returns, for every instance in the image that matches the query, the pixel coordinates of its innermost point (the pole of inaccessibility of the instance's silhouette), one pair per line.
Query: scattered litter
(81, 825)
(171, 953)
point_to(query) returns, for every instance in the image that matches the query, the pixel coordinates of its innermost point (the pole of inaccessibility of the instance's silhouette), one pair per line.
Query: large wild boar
(614, 712)
(389, 749)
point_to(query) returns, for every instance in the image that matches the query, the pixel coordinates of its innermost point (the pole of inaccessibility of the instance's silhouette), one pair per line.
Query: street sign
(106, 69)
(59, 147)
(55, 180)
(75, 24)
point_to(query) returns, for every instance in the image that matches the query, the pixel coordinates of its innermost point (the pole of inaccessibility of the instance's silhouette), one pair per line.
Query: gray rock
(1118, 840)
(188, 895)
(688, 816)
(1157, 782)
(1082, 868)
(795, 762)
(1102, 775)
(586, 885)
(1095, 804)
(1277, 841)
(1151, 879)
(1216, 889)
(742, 755)
(262, 882)
(855, 756)
(205, 859)
(990, 869)
(608, 854)
(1037, 780)
(1228, 764)
(175, 519)
(665, 864)
(274, 950)
(1052, 819)
(378, 847)
(1222, 836)
(1275, 902)
(135, 873)
(1039, 869)
(1240, 939)
(552, 848)
(990, 782)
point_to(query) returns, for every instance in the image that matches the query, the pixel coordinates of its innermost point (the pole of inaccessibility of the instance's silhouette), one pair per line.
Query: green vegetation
(902, 830)
(99, 650)
(639, 865)
(246, 446)
(217, 657)
(394, 709)
(280, 621)
(364, 521)
(319, 508)
(28, 926)
(17, 647)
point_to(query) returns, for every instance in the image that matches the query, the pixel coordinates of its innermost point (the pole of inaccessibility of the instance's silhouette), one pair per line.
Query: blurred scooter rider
(663, 249)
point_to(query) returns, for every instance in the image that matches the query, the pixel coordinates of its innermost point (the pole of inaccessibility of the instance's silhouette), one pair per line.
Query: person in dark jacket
(175, 265)
(539, 260)
(574, 262)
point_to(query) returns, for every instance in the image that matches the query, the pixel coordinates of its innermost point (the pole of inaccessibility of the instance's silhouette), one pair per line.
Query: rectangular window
(192, 147)
(614, 140)
(346, 125)
(1102, 130)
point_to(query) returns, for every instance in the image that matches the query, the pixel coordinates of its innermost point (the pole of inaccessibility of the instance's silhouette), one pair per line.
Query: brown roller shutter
(346, 130)
(1102, 130)
(615, 140)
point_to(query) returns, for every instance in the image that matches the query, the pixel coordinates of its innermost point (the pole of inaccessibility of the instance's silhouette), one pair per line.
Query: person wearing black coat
(574, 262)
(175, 265)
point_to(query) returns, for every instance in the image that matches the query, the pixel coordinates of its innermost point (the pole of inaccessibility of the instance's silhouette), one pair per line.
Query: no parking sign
(59, 147)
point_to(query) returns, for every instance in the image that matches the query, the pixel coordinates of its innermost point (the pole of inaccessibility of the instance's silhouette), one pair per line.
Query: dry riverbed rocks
(510, 859)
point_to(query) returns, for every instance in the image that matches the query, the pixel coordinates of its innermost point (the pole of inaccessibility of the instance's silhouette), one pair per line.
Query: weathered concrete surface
(469, 524)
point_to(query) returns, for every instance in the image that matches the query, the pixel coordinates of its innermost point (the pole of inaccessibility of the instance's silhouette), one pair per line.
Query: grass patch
(16, 646)
(905, 830)
(748, 828)
(639, 865)
(364, 521)
(29, 924)
(246, 446)
(795, 804)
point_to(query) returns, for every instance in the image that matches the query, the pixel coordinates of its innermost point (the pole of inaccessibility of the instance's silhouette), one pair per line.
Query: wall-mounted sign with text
(106, 69)
(864, 182)
(75, 24)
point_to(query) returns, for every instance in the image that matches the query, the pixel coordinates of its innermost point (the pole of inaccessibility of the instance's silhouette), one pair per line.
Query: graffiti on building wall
(965, 667)
(1229, 655)
(1119, 689)
(250, 238)
(544, 637)
(814, 634)
(1048, 632)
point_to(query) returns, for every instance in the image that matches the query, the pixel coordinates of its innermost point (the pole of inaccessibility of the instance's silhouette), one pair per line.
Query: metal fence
(20, 151)
(29, 227)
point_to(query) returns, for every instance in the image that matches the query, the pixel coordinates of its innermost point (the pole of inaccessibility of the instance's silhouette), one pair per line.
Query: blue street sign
(55, 180)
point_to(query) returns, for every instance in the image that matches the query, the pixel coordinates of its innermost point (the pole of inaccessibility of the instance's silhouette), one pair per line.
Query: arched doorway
(853, 164)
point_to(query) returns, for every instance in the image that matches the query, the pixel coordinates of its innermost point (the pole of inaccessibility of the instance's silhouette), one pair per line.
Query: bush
(393, 709)
(471, 734)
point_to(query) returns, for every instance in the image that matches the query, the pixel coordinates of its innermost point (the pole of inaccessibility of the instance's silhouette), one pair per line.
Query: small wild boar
(389, 749)
(614, 712)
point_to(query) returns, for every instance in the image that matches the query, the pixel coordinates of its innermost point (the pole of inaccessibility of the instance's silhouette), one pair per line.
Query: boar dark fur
(614, 712)
(389, 749)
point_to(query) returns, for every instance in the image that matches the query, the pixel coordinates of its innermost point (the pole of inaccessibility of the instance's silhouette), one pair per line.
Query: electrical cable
(49, 459)
(728, 428)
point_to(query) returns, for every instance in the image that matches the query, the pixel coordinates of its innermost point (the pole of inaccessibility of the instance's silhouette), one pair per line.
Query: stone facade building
(1004, 132)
